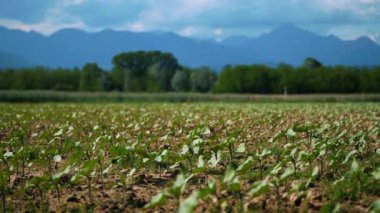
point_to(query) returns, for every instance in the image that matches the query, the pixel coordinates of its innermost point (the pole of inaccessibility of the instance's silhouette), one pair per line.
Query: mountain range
(289, 44)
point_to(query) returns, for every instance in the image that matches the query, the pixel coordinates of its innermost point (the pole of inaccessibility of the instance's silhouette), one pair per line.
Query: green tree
(284, 72)
(311, 63)
(257, 79)
(181, 80)
(202, 79)
(144, 71)
(91, 78)
(231, 79)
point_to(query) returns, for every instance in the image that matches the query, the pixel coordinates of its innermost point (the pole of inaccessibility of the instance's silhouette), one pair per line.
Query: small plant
(55, 181)
(175, 191)
(3, 190)
(87, 171)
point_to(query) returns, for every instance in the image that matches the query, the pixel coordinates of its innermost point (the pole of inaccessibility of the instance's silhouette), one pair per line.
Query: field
(202, 157)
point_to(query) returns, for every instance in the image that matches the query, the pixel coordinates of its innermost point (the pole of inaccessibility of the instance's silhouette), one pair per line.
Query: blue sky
(347, 19)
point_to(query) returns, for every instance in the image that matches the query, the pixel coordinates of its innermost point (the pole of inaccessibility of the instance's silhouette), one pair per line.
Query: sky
(215, 19)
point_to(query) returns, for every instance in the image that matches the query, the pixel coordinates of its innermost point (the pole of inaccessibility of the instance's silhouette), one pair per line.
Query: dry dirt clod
(73, 199)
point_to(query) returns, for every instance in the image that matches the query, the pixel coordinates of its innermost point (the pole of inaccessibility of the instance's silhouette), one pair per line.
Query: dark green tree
(144, 71)
(181, 80)
(311, 63)
(91, 78)
(231, 79)
(202, 79)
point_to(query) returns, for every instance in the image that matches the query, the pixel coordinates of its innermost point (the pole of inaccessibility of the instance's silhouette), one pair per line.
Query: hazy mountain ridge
(291, 45)
(288, 44)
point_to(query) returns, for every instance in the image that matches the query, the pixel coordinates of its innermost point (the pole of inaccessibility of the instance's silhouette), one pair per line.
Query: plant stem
(295, 166)
(261, 169)
(231, 153)
(241, 197)
(321, 162)
(3, 201)
(89, 189)
(41, 195)
(58, 194)
(310, 169)
(278, 197)
(191, 164)
(159, 170)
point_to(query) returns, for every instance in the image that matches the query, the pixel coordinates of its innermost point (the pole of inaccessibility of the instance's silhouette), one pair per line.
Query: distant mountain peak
(333, 36)
(290, 29)
(235, 40)
(288, 26)
(69, 31)
(365, 40)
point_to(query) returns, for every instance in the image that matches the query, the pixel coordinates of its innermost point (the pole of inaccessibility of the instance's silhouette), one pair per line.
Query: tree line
(155, 71)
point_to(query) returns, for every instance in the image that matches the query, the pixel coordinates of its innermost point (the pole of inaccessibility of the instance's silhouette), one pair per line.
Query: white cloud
(375, 37)
(46, 27)
(66, 3)
(137, 27)
(218, 32)
(355, 7)
(56, 18)
(188, 31)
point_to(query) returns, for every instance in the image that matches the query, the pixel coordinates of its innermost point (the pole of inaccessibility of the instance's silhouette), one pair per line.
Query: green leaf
(313, 176)
(234, 185)
(214, 160)
(197, 142)
(352, 153)
(229, 175)
(245, 166)
(158, 158)
(58, 133)
(107, 169)
(132, 172)
(177, 164)
(60, 174)
(185, 150)
(303, 156)
(289, 171)
(375, 207)
(290, 133)
(264, 153)
(330, 208)
(190, 203)
(376, 174)
(8, 155)
(241, 148)
(259, 188)
(34, 181)
(293, 153)
(276, 170)
(156, 200)
(206, 131)
(57, 158)
(88, 167)
(196, 149)
(201, 162)
(355, 166)
(200, 166)
(315, 172)
(209, 190)
(179, 185)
